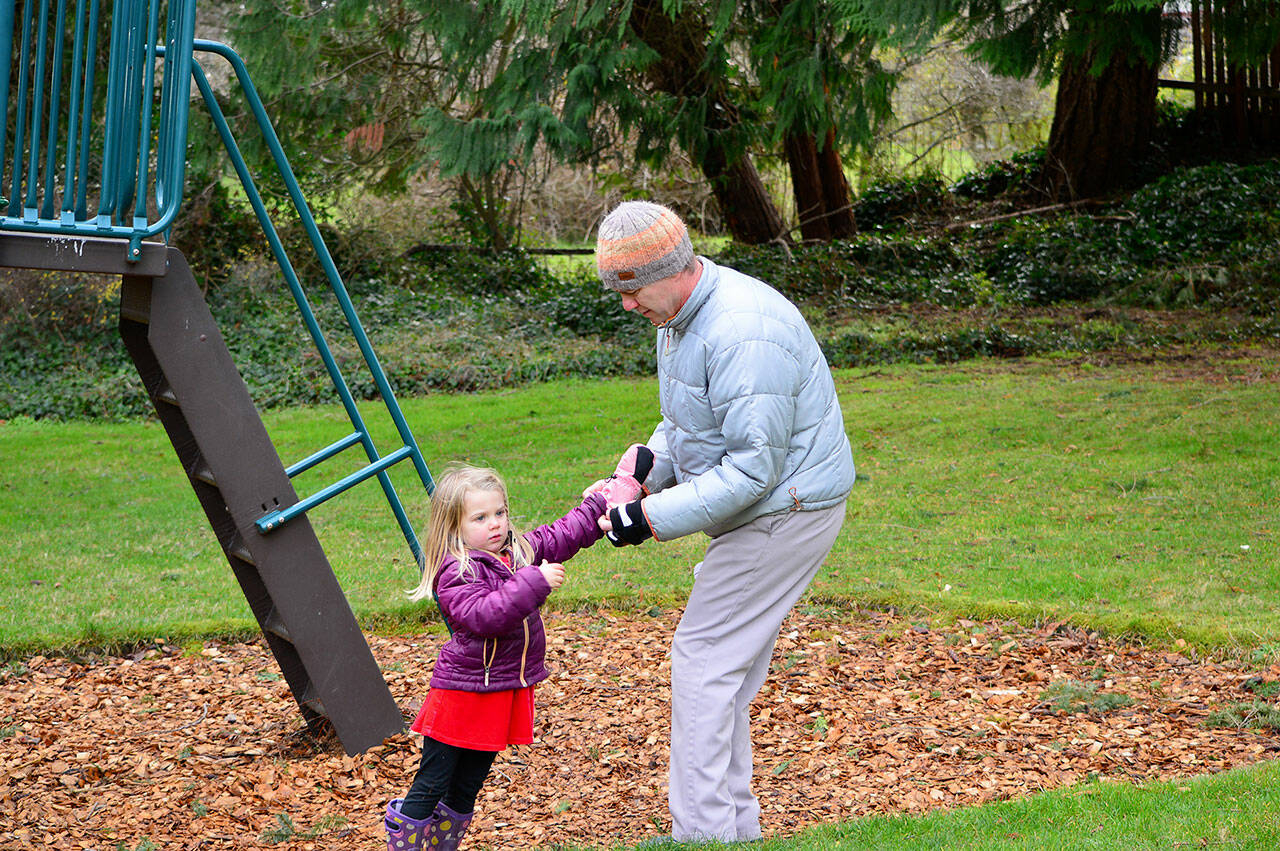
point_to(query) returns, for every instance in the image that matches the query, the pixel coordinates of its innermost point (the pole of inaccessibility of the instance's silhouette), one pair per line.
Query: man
(752, 451)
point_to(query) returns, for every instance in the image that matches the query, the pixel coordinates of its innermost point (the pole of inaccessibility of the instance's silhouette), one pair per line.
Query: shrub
(1003, 177)
(38, 304)
(856, 348)
(584, 306)
(881, 267)
(894, 203)
(466, 320)
(214, 229)
(1198, 211)
(474, 272)
(1053, 260)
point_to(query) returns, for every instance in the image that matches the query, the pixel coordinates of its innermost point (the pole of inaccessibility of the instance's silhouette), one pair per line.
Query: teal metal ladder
(377, 465)
(76, 131)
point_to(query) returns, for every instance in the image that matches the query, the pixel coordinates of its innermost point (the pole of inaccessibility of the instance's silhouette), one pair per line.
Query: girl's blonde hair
(444, 529)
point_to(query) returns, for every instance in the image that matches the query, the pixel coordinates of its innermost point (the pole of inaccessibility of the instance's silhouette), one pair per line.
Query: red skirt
(481, 721)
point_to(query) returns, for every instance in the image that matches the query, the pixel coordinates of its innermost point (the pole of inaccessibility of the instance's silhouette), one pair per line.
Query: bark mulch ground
(872, 714)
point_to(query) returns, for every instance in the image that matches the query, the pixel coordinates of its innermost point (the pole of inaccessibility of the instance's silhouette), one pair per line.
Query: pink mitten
(627, 482)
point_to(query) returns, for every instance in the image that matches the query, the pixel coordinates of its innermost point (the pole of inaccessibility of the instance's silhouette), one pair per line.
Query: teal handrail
(377, 464)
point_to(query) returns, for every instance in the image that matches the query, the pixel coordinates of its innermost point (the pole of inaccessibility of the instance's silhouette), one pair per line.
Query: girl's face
(485, 524)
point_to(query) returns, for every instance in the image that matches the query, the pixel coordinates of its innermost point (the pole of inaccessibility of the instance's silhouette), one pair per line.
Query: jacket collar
(490, 560)
(486, 556)
(701, 292)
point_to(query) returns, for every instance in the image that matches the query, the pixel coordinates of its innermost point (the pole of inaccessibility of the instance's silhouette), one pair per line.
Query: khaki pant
(746, 584)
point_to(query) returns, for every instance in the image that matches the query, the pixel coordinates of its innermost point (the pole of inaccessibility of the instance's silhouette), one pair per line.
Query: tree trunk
(835, 190)
(681, 71)
(806, 186)
(824, 205)
(1102, 123)
(745, 205)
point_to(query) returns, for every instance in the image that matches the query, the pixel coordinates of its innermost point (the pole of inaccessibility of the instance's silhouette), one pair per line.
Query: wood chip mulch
(860, 715)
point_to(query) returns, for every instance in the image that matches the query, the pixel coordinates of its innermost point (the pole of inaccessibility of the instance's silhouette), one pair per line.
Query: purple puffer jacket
(498, 641)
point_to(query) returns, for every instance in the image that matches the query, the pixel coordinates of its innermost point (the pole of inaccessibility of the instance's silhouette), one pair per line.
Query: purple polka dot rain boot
(404, 833)
(446, 829)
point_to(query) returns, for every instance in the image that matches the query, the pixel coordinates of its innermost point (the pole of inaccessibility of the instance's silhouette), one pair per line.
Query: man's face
(658, 301)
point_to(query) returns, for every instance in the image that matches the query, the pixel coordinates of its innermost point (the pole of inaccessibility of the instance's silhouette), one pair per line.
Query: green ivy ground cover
(1193, 258)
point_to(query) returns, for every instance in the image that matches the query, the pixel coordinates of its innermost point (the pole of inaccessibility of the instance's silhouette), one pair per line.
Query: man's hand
(626, 524)
(553, 573)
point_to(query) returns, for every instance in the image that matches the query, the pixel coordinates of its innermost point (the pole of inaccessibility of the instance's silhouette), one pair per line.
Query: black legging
(447, 773)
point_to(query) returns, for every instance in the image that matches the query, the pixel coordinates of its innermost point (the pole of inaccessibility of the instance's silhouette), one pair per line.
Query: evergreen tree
(691, 81)
(1104, 53)
(381, 92)
(824, 90)
(477, 90)
(770, 75)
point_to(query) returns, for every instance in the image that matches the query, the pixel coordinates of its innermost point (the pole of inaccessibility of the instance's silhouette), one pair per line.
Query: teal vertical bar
(168, 111)
(6, 67)
(113, 130)
(86, 111)
(37, 107)
(170, 143)
(148, 56)
(20, 124)
(126, 172)
(175, 107)
(55, 110)
(70, 186)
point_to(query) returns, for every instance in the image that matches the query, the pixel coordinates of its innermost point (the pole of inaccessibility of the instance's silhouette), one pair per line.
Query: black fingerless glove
(629, 525)
(643, 463)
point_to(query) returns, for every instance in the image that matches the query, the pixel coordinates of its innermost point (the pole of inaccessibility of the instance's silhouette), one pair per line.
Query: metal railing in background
(78, 121)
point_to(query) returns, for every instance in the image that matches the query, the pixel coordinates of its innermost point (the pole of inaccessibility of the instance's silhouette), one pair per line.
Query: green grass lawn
(1122, 498)
(1237, 809)
(1114, 498)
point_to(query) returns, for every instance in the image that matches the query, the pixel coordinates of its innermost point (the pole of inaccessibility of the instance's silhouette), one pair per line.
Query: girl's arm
(561, 540)
(486, 610)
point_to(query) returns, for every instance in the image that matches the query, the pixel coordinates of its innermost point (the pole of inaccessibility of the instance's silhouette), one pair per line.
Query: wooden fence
(1246, 101)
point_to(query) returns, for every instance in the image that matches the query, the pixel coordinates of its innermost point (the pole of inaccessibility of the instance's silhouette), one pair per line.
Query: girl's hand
(598, 486)
(553, 573)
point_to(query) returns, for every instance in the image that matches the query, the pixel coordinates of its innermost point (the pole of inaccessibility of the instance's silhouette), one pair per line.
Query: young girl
(489, 582)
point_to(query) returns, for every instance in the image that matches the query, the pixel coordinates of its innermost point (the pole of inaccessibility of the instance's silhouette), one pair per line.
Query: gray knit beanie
(640, 243)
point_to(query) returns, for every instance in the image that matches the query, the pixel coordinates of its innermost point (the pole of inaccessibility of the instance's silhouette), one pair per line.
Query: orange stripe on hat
(639, 243)
(644, 247)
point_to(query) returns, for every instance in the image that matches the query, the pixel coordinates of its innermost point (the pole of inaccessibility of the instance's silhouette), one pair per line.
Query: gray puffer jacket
(750, 420)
